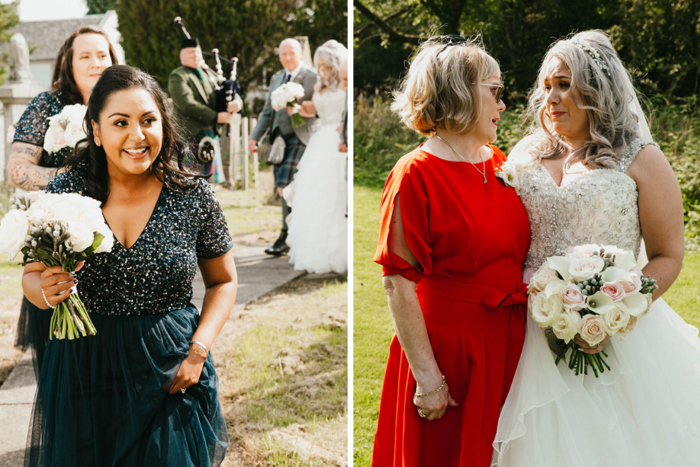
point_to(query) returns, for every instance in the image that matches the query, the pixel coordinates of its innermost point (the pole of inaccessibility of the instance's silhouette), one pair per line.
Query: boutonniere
(512, 174)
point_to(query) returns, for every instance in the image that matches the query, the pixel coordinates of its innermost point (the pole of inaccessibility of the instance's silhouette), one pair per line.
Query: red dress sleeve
(405, 179)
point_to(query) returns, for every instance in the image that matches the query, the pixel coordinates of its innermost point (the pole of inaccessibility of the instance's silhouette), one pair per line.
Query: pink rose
(592, 329)
(614, 290)
(572, 297)
(59, 138)
(634, 286)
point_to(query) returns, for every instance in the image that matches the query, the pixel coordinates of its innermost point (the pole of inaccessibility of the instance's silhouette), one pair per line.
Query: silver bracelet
(200, 344)
(433, 392)
(46, 301)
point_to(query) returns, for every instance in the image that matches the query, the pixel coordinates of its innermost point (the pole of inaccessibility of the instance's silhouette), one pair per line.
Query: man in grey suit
(279, 123)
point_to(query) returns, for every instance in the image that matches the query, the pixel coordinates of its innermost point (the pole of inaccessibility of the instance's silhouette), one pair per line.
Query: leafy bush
(381, 139)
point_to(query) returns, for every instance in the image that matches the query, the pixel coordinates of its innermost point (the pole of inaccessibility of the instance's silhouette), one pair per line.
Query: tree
(248, 30)
(8, 20)
(101, 6)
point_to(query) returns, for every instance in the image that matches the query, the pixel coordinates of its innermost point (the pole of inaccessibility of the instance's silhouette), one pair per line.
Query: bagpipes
(225, 89)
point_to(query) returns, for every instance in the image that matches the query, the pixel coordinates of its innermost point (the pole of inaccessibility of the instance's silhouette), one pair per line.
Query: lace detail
(598, 206)
(330, 106)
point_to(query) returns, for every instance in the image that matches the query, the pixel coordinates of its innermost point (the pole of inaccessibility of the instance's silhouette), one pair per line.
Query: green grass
(373, 327)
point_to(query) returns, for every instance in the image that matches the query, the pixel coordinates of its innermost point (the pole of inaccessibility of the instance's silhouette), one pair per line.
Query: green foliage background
(659, 40)
(8, 19)
(249, 30)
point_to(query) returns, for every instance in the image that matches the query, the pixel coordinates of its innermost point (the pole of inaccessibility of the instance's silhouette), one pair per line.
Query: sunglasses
(498, 94)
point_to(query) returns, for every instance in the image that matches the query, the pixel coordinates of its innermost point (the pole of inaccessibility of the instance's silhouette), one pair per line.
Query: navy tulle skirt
(103, 400)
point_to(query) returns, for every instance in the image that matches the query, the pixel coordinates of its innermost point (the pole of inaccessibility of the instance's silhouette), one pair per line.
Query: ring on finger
(182, 390)
(421, 414)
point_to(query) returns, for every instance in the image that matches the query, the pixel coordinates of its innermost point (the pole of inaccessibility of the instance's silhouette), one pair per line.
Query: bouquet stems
(579, 361)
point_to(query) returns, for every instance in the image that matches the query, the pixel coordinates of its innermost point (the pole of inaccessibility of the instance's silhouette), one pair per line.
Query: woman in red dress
(452, 243)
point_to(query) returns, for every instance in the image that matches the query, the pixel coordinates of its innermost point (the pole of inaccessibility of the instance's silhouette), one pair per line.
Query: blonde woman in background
(318, 195)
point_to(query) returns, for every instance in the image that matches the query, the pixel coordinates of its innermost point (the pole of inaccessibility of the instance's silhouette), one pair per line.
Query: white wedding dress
(643, 413)
(318, 224)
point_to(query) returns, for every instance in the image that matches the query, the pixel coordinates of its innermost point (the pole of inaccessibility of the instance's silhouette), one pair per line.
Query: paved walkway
(258, 274)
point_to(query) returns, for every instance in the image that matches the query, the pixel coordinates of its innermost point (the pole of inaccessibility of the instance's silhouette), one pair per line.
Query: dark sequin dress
(103, 400)
(33, 323)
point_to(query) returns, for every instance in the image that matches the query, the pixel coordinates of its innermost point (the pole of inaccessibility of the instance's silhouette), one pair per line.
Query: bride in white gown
(318, 195)
(645, 412)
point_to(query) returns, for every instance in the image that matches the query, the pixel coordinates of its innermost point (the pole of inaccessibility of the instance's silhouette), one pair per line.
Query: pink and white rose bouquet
(57, 230)
(593, 292)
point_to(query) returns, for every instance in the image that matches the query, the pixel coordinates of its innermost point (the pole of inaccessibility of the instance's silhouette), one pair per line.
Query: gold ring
(421, 413)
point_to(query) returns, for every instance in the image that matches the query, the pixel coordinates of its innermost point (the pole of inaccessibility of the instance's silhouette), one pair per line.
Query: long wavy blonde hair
(333, 54)
(606, 93)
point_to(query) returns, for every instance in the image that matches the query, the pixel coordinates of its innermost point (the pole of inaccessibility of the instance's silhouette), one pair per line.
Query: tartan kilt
(284, 171)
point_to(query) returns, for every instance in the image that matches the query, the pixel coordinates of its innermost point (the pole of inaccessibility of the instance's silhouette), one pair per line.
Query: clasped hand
(435, 405)
(189, 372)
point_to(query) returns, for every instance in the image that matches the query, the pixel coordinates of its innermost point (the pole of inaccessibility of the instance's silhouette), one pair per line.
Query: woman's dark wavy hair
(92, 158)
(63, 79)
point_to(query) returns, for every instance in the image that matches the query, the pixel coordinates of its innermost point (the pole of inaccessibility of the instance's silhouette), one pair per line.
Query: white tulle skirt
(318, 225)
(643, 413)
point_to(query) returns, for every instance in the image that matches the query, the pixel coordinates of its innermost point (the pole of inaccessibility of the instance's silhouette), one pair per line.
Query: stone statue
(19, 59)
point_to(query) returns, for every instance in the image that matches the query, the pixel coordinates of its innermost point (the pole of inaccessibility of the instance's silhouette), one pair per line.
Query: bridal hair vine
(593, 53)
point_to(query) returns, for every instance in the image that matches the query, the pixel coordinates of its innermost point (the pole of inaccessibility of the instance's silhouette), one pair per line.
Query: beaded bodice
(155, 274)
(598, 206)
(330, 106)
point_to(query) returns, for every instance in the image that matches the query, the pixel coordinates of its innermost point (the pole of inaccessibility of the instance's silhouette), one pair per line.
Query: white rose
(624, 332)
(585, 268)
(13, 230)
(74, 133)
(74, 113)
(81, 236)
(582, 251)
(572, 298)
(295, 89)
(108, 241)
(545, 310)
(592, 329)
(566, 327)
(616, 319)
(542, 277)
(634, 284)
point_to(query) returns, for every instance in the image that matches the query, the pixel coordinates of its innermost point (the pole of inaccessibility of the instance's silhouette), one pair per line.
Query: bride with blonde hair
(318, 195)
(594, 175)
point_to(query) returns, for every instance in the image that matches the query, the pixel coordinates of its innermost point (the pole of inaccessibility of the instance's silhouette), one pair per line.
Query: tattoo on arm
(23, 168)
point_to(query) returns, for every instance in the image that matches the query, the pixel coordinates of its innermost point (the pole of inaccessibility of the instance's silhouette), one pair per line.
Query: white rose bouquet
(58, 230)
(287, 95)
(65, 128)
(594, 292)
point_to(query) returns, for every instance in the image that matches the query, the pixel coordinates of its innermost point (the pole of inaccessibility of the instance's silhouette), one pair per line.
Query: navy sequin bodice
(155, 275)
(32, 126)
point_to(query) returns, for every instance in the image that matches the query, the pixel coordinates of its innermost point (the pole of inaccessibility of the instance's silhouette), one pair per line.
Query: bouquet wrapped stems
(70, 318)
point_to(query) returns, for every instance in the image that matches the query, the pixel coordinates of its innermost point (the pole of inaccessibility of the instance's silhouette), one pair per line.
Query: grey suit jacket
(267, 118)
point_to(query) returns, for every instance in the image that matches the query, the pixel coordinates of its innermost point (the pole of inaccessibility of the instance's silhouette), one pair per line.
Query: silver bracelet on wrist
(46, 301)
(425, 394)
(200, 344)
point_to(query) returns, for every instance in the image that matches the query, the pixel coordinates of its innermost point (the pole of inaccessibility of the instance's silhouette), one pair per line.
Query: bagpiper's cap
(187, 43)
